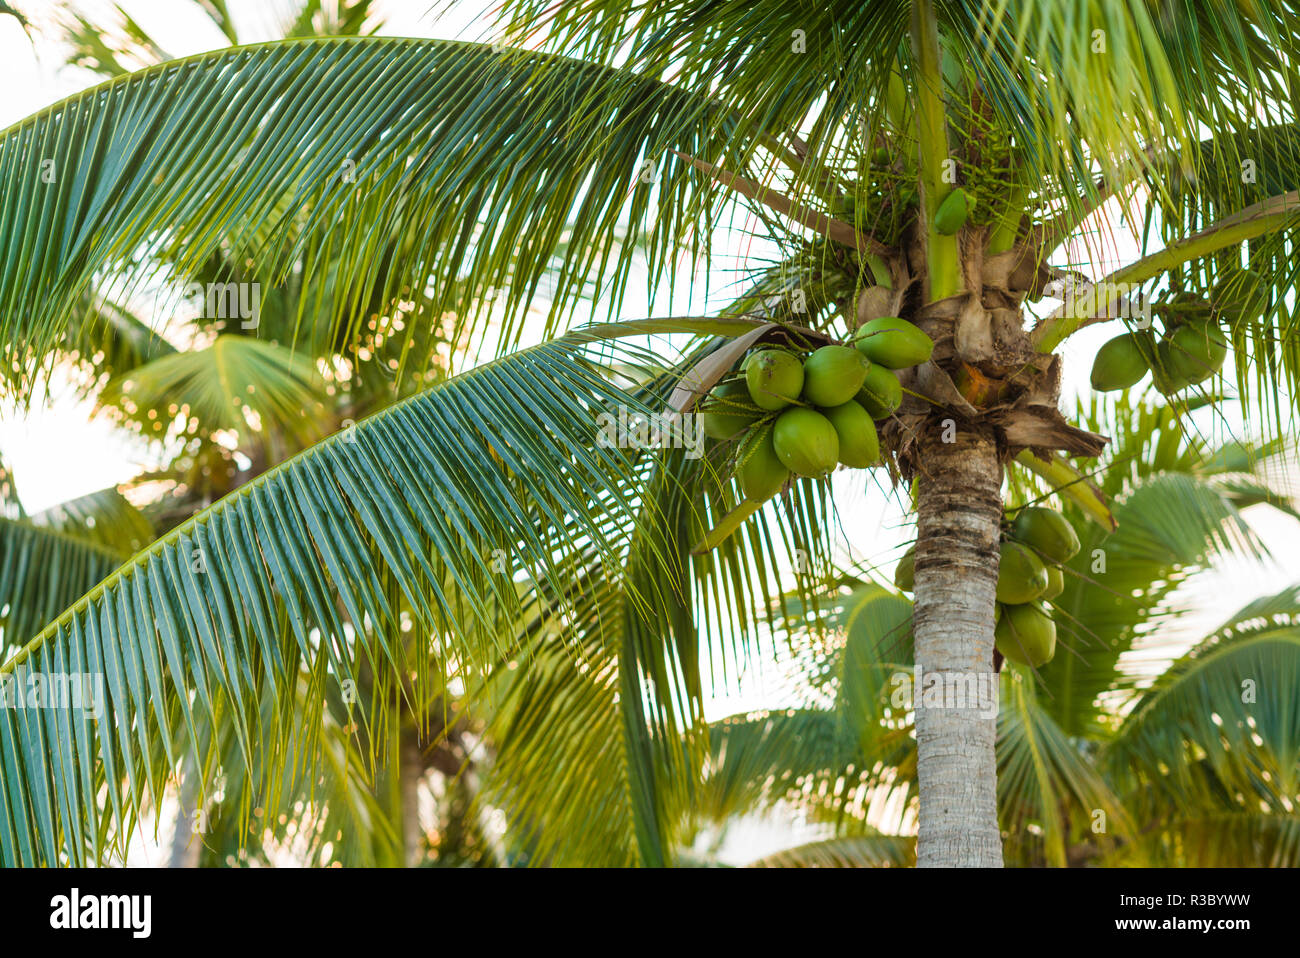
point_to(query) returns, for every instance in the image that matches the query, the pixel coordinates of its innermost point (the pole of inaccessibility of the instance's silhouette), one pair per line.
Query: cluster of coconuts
(1034, 546)
(1193, 346)
(804, 413)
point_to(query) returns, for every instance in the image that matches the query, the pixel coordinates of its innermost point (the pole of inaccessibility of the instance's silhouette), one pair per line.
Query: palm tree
(421, 176)
(221, 406)
(1100, 762)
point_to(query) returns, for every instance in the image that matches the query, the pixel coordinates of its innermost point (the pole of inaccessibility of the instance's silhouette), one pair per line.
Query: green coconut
(761, 471)
(893, 342)
(1196, 351)
(905, 571)
(1121, 362)
(1055, 582)
(953, 211)
(859, 444)
(806, 442)
(728, 410)
(1022, 577)
(881, 393)
(833, 375)
(1163, 375)
(1026, 633)
(1047, 532)
(774, 378)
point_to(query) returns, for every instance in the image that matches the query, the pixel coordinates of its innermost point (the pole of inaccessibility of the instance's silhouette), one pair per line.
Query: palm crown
(478, 531)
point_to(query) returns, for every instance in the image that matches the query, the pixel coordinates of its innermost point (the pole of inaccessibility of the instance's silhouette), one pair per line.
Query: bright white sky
(59, 452)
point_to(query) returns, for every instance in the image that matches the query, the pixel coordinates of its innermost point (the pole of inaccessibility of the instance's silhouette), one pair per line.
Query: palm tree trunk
(959, 506)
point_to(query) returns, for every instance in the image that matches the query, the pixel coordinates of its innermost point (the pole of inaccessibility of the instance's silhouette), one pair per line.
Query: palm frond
(51, 558)
(762, 760)
(1220, 728)
(856, 851)
(412, 505)
(1103, 86)
(1176, 510)
(104, 518)
(615, 686)
(808, 80)
(43, 571)
(1222, 840)
(456, 167)
(238, 383)
(1049, 794)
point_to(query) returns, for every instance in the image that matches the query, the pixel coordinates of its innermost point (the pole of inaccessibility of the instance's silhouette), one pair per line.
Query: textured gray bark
(959, 505)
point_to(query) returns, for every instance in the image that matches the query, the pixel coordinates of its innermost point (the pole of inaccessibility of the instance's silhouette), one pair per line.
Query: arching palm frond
(476, 163)
(1224, 840)
(775, 65)
(42, 572)
(1108, 87)
(51, 558)
(1050, 795)
(1177, 501)
(411, 506)
(104, 518)
(1220, 730)
(615, 686)
(251, 387)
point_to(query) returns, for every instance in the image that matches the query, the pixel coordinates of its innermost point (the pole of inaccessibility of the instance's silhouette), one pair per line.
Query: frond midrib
(157, 547)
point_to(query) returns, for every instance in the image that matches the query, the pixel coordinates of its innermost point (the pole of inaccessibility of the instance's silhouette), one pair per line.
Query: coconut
(859, 444)
(881, 393)
(1025, 633)
(806, 442)
(1121, 362)
(761, 472)
(1055, 583)
(728, 411)
(1047, 532)
(953, 211)
(833, 375)
(1196, 352)
(1240, 295)
(905, 571)
(774, 378)
(893, 342)
(1022, 577)
(1163, 375)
